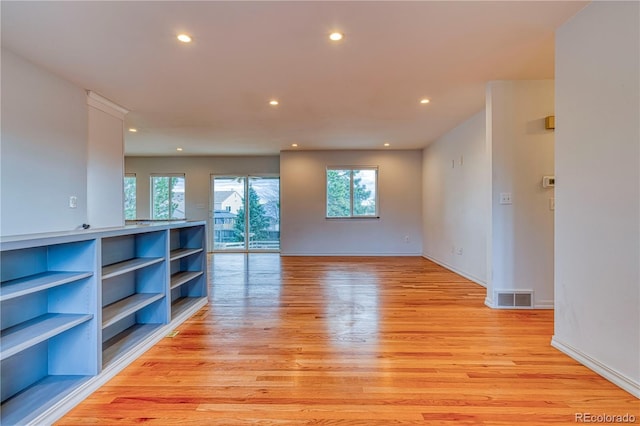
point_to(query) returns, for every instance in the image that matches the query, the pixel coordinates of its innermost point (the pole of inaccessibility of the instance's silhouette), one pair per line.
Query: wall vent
(514, 299)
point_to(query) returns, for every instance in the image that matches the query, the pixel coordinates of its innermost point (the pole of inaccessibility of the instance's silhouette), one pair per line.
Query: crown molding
(105, 105)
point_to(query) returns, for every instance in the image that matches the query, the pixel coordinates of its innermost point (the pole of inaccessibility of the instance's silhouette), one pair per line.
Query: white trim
(615, 377)
(544, 304)
(489, 302)
(456, 270)
(105, 105)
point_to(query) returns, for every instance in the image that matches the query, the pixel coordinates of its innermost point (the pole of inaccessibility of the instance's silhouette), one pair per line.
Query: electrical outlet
(73, 202)
(505, 198)
(406, 238)
(459, 251)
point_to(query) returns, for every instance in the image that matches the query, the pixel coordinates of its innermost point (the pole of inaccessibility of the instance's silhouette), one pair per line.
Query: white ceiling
(211, 96)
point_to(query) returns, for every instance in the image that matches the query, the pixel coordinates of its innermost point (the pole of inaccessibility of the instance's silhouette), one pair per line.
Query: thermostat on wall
(548, 181)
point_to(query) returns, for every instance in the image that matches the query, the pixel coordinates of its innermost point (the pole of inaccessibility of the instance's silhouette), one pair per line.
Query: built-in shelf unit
(77, 307)
(187, 266)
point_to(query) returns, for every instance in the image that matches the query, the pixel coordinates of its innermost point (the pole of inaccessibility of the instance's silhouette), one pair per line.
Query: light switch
(505, 198)
(73, 202)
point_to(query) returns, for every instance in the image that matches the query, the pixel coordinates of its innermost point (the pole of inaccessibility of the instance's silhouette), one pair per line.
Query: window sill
(352, 218)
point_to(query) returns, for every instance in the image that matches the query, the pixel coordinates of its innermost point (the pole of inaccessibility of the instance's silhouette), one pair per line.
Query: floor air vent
(518, 299)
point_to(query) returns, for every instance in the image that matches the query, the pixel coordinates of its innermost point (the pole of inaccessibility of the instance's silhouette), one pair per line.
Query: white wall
(198, 171)
(105, 163)
(306, 231)
(597, 316)
(455, 190)
(520, 252)
(44, 150)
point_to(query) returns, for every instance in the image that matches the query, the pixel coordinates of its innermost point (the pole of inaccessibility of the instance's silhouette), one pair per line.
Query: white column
(105, 162)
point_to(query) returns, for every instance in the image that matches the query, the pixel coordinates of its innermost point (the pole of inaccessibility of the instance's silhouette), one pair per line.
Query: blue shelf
(27, 405)
(184, 252)
(123, 343)
(29, 333)
(77, 307)
(182, 277)
(38, 282)
(123, 308)
(186, 304)
(130, 265)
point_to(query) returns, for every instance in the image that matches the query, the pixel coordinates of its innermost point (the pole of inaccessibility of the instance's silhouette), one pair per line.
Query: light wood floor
(358, 341)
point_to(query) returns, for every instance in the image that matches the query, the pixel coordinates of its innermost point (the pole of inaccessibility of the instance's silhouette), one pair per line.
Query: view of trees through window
(233, 211)
(167, 197)
(351, 192)
(130, 212)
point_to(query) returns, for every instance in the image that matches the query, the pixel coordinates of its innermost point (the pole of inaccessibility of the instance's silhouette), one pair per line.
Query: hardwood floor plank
(351, 341)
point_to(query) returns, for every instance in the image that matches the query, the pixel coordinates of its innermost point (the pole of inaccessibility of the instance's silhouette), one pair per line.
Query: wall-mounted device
(550, 122)
(548, 181)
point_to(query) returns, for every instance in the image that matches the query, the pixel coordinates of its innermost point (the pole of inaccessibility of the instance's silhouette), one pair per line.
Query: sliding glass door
(228, 213)
(245, 213)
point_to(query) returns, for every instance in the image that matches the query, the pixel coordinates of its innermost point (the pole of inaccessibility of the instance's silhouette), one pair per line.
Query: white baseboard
(456, 270)
(544, 304)
(615, 377)
(489, 302)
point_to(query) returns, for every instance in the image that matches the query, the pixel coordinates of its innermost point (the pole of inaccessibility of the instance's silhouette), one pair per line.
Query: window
(130, 197)
(167, 197)
(352, 192)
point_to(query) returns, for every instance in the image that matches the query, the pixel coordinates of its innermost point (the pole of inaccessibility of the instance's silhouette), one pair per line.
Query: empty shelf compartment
(29, 333)
(122, 308)
(182, 277)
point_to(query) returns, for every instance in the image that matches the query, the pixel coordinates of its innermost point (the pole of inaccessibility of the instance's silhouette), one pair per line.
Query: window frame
(352, 169)
(151, 192)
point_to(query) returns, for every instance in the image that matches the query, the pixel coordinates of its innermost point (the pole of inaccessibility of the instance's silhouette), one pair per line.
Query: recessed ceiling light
(184, 38)
(336, 36)
(273, 102)
(295, 145)
(424, 101)
(132, 130)
(387, 144)
(178, 149)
